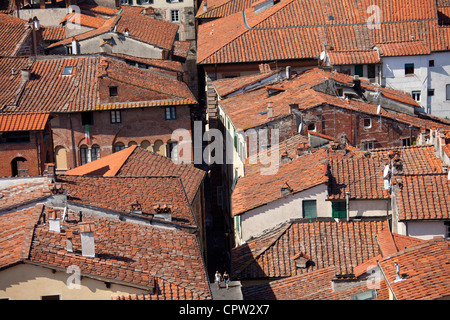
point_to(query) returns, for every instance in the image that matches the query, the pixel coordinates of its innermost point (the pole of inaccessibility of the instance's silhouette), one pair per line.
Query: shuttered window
(309, 209)
(339, 210)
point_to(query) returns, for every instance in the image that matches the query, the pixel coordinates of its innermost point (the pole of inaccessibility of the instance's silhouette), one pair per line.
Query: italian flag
(87, 136)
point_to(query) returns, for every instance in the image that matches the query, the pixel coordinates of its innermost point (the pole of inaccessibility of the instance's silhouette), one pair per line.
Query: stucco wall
(29, 282)
(424, 78)
(426, 230)
(256, 221)
(369, 208)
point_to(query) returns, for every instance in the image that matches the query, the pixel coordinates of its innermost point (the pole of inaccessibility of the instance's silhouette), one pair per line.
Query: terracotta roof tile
(80, 91)
(353, 57)
(328, 244)
(18, 192)
(425, 269)
(118, 193)
(150, 258)
(23, 121)
(424, 197)
(83, 20)
(254, 190)
(403, 48)
(299, 29)
(13, 32)
(54, 33)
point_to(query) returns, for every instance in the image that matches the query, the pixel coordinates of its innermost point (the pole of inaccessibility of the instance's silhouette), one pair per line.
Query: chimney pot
(26, 75)
(87, 239)
(269, 110)
(54, 222)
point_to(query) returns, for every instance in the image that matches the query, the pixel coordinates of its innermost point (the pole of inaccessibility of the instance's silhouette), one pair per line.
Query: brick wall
(335, 122)
(36, 153)
(137, 125)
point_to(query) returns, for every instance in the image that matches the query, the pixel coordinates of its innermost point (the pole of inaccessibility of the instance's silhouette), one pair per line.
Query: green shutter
(339, 210)
(309, 209)
(359, 70)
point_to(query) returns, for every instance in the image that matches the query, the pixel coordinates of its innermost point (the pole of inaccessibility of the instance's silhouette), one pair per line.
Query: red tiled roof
(255, 190)
(16, 234)
(13, 32)
(403, 48)
(181, 48)
(53, 33)
(10, 79)
(425, 268)
(300, 29)
(23, 121)
(83, 20)
(169, 65)
(424, 197)
(18, 193)
(226, 86)
(340, 245)
(81, 90)
(353, 57)
(137, 162)
(222, 8)
(93, 8)
(141, 27)
(152, 259)
(118, 193)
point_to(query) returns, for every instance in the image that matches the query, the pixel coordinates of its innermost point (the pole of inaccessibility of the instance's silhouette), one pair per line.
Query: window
(339, 210)
(430, 92)
(51, 297)
(368, 145)
(416, 95)
(371, 71)
(113, 92)
(172, 151)
(119, 146)
(15, 137)
(365, 295)
(95, 152)
(309, 209)
(406, 142)
(359, 70)
(67, 71)
(115, 116)
(175, 15)
(87, 118)
(409, 69)
(367, 123)
(171, 113)
(312, 126)
(431, 63)
(84, 154)
(340, 92)
(447, 97)
(124, 2)
(447, 229)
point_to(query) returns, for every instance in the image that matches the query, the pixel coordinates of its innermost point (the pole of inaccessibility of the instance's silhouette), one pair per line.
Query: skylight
(67, 71)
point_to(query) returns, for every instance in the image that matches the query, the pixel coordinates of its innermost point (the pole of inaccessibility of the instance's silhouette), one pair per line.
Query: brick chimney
(163, 211)
(54, 220)
(87, 239)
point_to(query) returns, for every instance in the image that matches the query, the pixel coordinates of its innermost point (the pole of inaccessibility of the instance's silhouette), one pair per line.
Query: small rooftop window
(67, 71)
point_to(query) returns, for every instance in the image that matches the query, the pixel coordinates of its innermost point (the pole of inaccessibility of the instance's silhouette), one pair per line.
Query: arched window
(158, 147)
(19, 167)
(132, 143)
(95, 152)
(84, 154)
(118, 146)
(61, 157)
(146, 145)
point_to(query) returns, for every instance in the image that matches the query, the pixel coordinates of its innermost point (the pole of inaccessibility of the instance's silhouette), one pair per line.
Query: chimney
(356, 83)
(50, 170)
(136, 207)
(54, 220)
(36, 23)
(285, 157)
(205, 6)
(288, 72)
(286, 189)
(163, 212)
(398, 277)
(262, 5)
(269, 110)
(74, 46)
(87, 239)
(69, 243)
(26, 75)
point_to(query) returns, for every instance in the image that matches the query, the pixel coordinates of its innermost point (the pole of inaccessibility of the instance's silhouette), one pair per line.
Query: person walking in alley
(217, 278)
(226, 278)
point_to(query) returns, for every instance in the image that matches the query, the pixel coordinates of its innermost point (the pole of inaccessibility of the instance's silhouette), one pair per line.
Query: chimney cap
(86, 227)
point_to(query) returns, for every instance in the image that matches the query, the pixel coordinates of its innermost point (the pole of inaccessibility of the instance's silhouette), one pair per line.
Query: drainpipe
(347, 202)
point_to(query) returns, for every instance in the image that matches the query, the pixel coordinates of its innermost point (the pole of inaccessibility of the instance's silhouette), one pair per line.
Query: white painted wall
(257, 221)
(426, 230)
(369, 208)
(424, 78)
